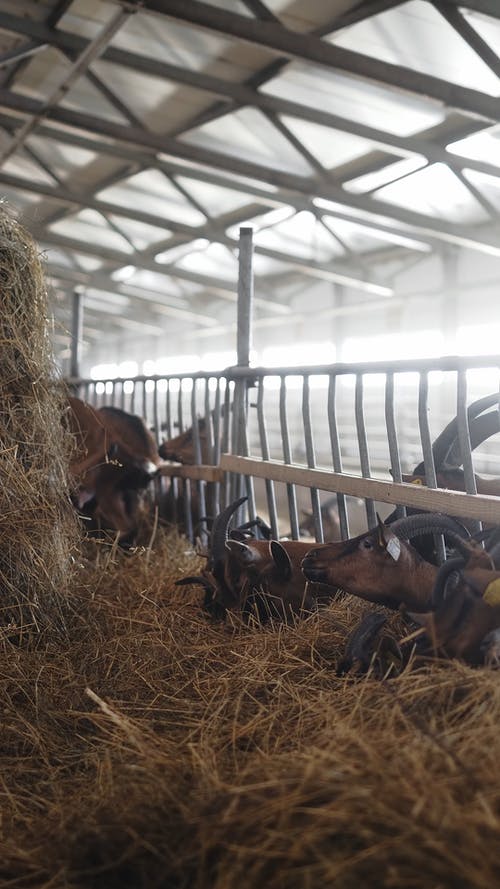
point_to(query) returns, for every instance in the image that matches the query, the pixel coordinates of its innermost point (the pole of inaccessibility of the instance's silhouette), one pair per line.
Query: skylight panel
(482, 146)
(170, 41)
(153, 192)
(360, 238)
(86, 19)
(489, 186)
(487, 27)
(378, 178)
(248, 135)
(303, 235)
(215, 199)
(141, 234)
(173, 254)
(215, 260)
(437, 192)
(417, 36)
(355, 98)
(91, 228)
(62, 159)
(330, 147)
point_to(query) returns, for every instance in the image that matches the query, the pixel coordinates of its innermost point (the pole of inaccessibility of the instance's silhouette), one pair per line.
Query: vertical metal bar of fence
(428, 455)
(168, 411)
(265, 452)
(200, 484)
(287, 457)
(217, 443)
(364, 458)
(185, 482)
(156, 413)
(243, 344)
(392, 434)
(311, 456)
(226, 434)
(464, 439)
(336, 453)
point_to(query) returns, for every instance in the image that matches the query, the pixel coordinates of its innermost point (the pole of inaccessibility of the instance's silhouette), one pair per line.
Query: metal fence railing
(368, 422)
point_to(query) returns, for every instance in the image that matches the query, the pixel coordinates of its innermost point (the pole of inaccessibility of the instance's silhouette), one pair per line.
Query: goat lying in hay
(260, 577)
(457, 604)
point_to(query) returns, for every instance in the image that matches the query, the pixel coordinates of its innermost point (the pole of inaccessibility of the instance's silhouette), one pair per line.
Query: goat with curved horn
(446, 444)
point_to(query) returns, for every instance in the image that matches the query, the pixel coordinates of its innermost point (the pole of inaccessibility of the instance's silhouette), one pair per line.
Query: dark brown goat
(259, 576)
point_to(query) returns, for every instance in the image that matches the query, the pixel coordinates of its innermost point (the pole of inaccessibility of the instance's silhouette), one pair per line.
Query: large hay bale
(37, 525)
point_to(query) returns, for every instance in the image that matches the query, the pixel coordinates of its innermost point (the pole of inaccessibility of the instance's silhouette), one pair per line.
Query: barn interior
(280, 217)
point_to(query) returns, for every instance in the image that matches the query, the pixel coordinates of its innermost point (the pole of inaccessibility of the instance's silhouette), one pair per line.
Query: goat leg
(359, 648)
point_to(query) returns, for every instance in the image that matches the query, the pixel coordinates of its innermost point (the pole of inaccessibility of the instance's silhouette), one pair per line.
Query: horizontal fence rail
(349, 431)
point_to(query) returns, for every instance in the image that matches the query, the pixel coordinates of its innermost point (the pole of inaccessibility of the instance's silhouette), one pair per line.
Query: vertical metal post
(76, 333)
(243, 344)
(245, 297)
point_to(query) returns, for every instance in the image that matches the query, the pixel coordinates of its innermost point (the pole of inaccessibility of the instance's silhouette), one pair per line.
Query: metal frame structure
(125, 148)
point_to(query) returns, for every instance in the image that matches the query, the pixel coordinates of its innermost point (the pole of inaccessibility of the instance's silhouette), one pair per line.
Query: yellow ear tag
(416, 481)
(491, 594)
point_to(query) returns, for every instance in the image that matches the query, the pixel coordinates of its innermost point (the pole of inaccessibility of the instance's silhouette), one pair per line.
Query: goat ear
(243, 553)
(281, 559)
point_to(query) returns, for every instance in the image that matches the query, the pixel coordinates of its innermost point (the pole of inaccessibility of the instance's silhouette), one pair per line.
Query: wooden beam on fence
(485, 508)
(200, 472)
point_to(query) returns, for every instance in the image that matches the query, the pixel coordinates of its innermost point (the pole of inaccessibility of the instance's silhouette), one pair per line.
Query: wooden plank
(201, 472)
(486, 508)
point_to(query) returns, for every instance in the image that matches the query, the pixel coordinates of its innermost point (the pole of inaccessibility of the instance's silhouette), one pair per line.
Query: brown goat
(116, 458)
(265, 576)
(259, 576)
(381, 568)
(181, 448)
(376, 566)
(462, 623)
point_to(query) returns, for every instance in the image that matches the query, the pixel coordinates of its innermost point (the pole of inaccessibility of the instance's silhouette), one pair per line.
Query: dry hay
(36, 526)
(154, 748)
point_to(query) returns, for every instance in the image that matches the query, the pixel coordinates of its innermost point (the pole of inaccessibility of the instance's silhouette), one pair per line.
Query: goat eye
(367, 543)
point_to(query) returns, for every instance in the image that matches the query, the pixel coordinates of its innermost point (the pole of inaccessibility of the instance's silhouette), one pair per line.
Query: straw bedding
(144, 746)
(150, 747)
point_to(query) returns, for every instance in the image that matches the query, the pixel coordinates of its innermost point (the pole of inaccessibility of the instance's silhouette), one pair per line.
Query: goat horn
(446, 441)
(432, 523)
(480, 429)
(220, 532)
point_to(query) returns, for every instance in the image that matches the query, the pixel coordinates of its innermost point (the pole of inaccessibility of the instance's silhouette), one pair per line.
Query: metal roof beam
(308, 48)
(219, 286)
(214, 231)
(245, 95)
(419, 222)
(486, 7)
(460, 24)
